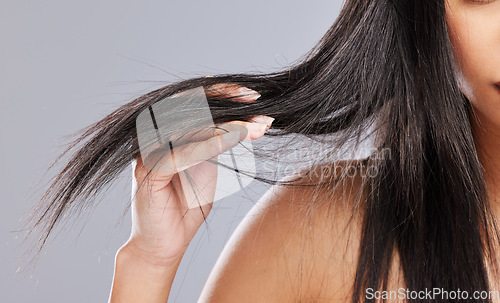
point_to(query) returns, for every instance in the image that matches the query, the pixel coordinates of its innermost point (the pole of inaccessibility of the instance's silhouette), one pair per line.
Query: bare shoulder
(294, 241)
(331, 215)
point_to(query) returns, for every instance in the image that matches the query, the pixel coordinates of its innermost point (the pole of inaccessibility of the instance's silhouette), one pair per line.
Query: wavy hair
(384, 61)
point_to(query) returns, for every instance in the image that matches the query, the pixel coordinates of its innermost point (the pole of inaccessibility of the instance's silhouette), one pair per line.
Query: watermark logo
(436, 293)
(177, 135)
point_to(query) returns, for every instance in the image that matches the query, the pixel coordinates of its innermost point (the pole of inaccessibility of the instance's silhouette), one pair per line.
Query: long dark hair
(389, 61)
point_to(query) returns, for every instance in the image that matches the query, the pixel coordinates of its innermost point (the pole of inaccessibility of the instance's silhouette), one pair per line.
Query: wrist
(132, 251)
(139, 278)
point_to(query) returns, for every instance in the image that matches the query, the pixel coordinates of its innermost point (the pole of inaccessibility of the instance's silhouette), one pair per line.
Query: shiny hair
(384, 61)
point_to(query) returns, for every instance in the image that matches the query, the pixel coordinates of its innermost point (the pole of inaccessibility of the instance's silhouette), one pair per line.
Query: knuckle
(214, 146)
(140, 173)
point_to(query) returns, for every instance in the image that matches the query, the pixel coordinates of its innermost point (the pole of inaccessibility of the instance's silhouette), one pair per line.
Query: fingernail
(249, 93)
(263, 119)
(255, 130)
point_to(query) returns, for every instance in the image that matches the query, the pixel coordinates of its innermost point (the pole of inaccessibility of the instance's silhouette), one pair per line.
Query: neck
(487, 140)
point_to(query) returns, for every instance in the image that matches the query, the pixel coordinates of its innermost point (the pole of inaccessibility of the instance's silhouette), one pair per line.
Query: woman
(426, 73)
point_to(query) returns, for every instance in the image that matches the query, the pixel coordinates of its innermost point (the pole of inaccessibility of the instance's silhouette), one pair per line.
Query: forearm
(139, 280)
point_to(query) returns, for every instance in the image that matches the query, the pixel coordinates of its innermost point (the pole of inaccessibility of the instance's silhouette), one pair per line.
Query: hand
(163, 225)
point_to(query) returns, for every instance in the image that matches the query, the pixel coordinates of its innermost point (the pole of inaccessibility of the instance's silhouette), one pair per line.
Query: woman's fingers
(160, 158)
(236, 92)
(263, 120)
(248, 130)
(239, 93)
(174, 156)
(209, 132)
(231, 90)
(184, 156)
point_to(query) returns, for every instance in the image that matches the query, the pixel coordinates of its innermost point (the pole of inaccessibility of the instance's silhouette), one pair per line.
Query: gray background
(66, 64)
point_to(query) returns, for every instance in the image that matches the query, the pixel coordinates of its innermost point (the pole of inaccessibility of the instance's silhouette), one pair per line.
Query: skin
(267, 257)
(474, 29)
(162, 223)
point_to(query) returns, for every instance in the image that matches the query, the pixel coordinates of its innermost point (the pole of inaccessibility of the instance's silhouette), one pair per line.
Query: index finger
(233, 91)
